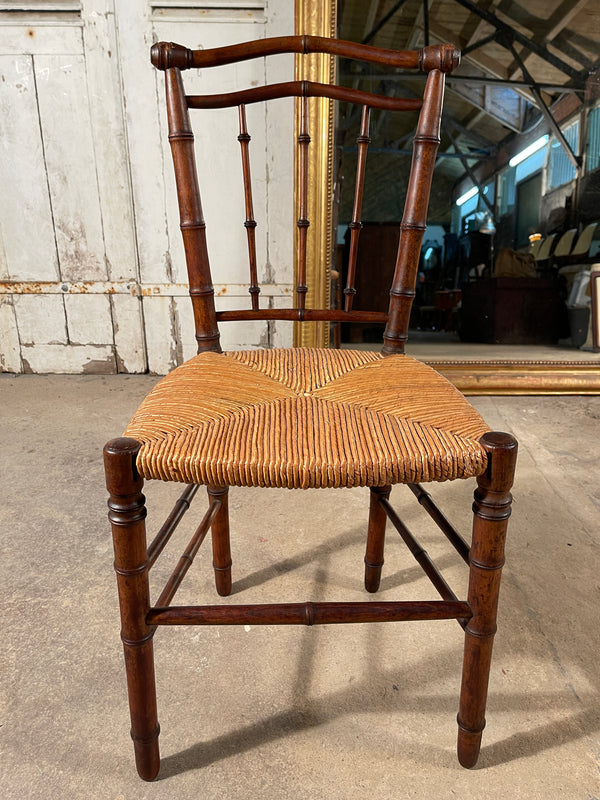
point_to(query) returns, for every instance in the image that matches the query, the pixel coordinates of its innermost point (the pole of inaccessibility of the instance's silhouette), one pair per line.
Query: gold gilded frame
(482, 377)
(317, 19)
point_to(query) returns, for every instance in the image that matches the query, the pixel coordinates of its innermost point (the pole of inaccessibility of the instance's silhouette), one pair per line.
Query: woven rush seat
(306, 418)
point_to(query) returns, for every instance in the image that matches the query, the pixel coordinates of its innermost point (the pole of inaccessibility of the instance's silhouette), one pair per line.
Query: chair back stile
(414, 220)
(193, 227)
(435, 60)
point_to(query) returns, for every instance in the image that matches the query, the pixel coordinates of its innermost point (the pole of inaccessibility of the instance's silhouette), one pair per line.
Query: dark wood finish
(309, 613)
(165, 55)
(250, 223)
(436, 514)
(127, 514)
(303, 315)
(162, 537)
(302, 89)
(303, 221)
(414, 220)
(420, 554)
(220, 540)
(193, 228)
(375, 537)
(491, 509)
(126, 504)
(511, 311)
(187, 558)
(355, 225)
(435, 60)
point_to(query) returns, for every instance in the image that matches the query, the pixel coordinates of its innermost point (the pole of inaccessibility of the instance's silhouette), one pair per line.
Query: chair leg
(127, 515)
(491, 512)
(375, 538)
(220, 540)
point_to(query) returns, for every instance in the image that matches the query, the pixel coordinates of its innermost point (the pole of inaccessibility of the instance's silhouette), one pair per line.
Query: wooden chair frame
(134, 557)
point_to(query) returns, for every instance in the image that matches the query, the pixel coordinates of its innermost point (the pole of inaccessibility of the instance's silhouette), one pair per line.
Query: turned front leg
(375, 537)
(491, 509)
(127, 514)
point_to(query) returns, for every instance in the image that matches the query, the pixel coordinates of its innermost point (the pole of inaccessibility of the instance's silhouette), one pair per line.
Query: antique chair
(302, 418)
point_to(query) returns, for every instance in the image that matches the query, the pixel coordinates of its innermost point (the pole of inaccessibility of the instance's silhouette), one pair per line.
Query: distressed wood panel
(160, 334)
(147, 162)
(89, 319)
(109, 140)
(26, 203)
(41, 319)
(71, 359)
(130, 342)
(78, 95)
(35, 39)
(10, 352)
(70, 159)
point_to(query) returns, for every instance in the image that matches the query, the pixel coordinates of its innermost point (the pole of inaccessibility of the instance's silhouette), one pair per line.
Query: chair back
(436, 61)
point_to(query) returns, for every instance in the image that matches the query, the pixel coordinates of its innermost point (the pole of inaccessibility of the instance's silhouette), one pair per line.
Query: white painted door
(92, 269)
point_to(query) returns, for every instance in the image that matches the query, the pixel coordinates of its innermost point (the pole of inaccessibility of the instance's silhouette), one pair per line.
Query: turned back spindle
(435, 60)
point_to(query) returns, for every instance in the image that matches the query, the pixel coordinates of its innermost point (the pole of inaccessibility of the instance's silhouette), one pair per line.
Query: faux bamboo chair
(303, 418)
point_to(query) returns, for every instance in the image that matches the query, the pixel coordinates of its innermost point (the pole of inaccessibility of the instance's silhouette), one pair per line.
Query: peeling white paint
(91, 260)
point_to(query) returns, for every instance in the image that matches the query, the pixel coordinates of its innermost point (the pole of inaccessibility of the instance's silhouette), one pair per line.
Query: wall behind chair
(92, 274)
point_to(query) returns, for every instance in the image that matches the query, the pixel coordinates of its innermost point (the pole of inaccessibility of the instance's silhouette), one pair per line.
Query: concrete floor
(325, 712)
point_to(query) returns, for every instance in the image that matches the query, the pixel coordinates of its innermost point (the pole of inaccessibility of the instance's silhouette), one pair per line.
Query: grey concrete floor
(323, 712)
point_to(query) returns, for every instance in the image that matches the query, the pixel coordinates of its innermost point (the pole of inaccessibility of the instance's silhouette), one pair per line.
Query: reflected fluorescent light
(467, 195)
(529, 151)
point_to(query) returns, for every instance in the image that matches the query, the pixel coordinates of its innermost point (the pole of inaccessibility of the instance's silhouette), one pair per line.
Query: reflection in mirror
(504, 298)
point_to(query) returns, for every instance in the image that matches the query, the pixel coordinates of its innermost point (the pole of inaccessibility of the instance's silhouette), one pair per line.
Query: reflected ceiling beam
(482, 80)
(468, 170)
(566, 41)
(543, 107)
(473, 26)
(383, 21)
(547, 30)
(515, 35)
(474, 155)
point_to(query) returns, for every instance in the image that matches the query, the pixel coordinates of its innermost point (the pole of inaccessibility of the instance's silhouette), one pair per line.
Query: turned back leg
(375, 538)
(220, 540)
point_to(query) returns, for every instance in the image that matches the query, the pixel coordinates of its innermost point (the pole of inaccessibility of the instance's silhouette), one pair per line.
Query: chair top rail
(444, 57)
(302, 89)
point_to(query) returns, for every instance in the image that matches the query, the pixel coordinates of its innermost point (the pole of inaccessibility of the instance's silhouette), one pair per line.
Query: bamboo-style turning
(303, 222)
(436, 60)
(414, 219)
(193, 228)
(250, 223)
(304, 417)
(356, 224)
(420, 554)
(453, 536)
(162, 537)
(165, 55)
(309, 613)
(187, 559)
(302, 89)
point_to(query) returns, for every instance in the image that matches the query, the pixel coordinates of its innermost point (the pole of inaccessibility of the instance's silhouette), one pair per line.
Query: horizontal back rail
(302, 89)
(165, 55)
(302, 315)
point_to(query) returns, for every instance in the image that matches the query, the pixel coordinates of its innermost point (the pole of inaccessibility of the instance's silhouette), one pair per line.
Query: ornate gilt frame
(317, 19)
(490, 377)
